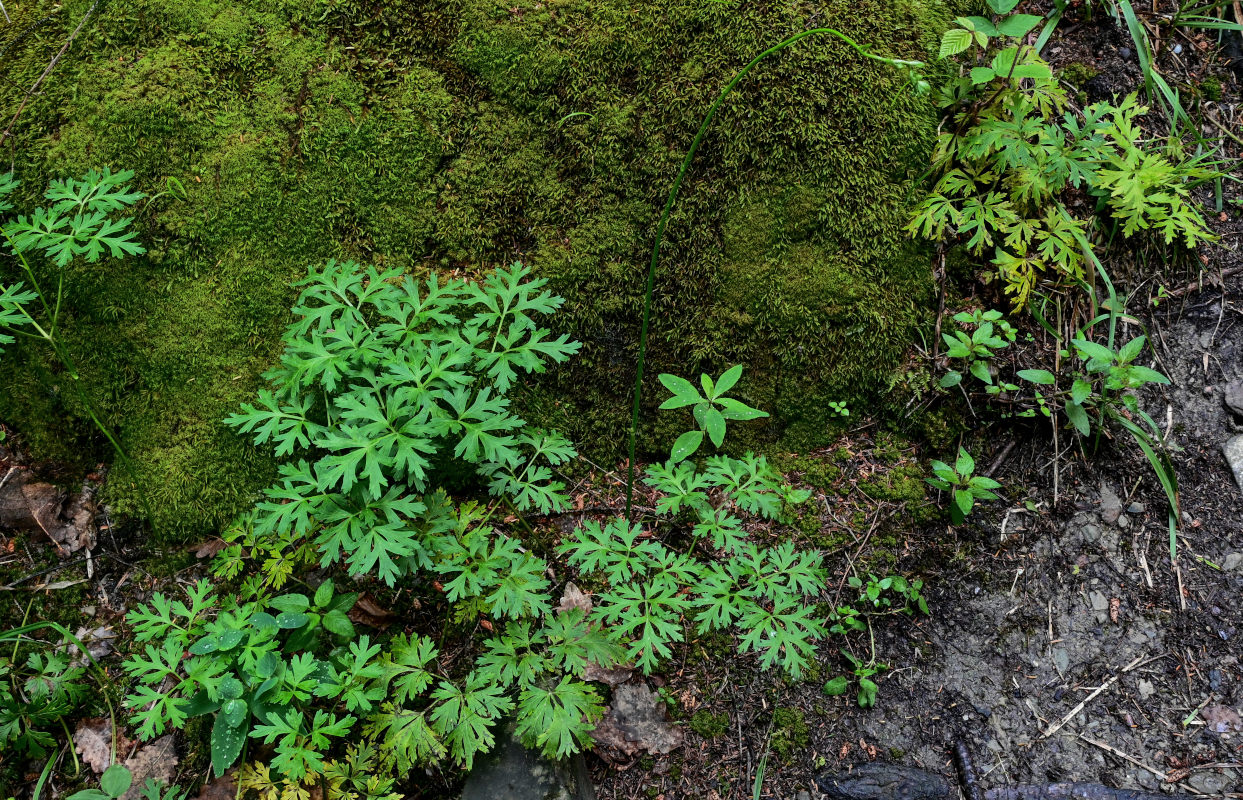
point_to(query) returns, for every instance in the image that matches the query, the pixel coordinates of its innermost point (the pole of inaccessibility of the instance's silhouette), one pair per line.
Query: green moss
(709, 725)
(789, 733)
(1210, 89)
(460, 134)
(1077, 74)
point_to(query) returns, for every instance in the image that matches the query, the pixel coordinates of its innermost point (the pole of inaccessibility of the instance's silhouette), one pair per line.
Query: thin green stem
(673, 193)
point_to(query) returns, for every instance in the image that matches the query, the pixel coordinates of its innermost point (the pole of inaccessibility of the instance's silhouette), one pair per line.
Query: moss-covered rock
(461, 134)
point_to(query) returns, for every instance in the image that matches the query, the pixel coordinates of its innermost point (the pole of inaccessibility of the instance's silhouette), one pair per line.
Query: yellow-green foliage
(463, 134)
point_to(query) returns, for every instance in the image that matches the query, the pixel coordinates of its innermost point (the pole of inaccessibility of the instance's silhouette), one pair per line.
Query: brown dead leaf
(870, 749)
(1114, 605)
(209, 548)
(370, 613)
(1222, 719)
(93, 740)
(637, 721)
(613, 677)
(1176, 775)
(156, 760)
(573, 597)
(222, 788)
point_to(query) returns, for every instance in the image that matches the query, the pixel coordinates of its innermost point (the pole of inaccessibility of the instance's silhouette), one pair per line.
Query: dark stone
(1232, 396)
(878, 781)
(512, 772)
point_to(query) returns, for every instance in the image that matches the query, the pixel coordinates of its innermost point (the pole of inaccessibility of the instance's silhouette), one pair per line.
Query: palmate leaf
(463, 717)
(622, 551)
(522, 590)
(514, 657)
(64, 238)
(649, 615)
(507, 298)
(405, 670)
(97, 191)
(525, 348)
(284, 424)
(572, 643)
(409, 740)
(559, 720)
(786, 634)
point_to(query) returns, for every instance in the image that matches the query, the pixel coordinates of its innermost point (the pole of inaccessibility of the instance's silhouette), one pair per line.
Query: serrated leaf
(1079, 418)
(1017, 25)
(954, 41)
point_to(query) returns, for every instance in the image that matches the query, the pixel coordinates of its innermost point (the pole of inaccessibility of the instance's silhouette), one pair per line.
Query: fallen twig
(1052, 729)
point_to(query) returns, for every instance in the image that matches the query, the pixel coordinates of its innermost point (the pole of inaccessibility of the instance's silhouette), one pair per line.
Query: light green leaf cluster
(964, 486)
(725, 581)
(1007, 162)
(380, 377)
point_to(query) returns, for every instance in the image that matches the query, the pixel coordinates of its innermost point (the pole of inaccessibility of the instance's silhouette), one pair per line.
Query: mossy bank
(458, 135)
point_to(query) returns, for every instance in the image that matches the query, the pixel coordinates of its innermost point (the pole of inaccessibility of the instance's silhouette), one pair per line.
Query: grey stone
(1124, 522)
(1233, 450)
(1232, 397)
(1232, 562)
(1146, 689)
(1091, 533)
(1111, 505)
(513, 772)
(1136, 508)
(802, 794)
(1061, 659)
(1208, 782)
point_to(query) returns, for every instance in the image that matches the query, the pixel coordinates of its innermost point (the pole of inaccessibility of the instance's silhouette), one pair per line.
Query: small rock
(802, 794)
(1061, 659)
(1232, 397)
(1214, 680)
(1091, 533)
(516, 773)
(1099, 601)
(1178, 49)
(1125, 52)
(1136, 508)
(1111, 505)
(1208, 782)
(1146, 689)
(1124, 522)
(1233, 450)
(1232, 562)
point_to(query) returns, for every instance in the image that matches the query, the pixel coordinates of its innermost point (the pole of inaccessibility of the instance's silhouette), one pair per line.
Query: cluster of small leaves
(724, 581)
(382, 376)
(291, 672)
(80, 221)
(992, 333)
(35, 695)
(862, 673)
(353, 777)
(1103, 384)
(964, 485)
(1006, 163)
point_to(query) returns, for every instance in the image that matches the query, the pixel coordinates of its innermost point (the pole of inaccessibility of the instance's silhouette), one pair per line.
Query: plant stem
(673, 193)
